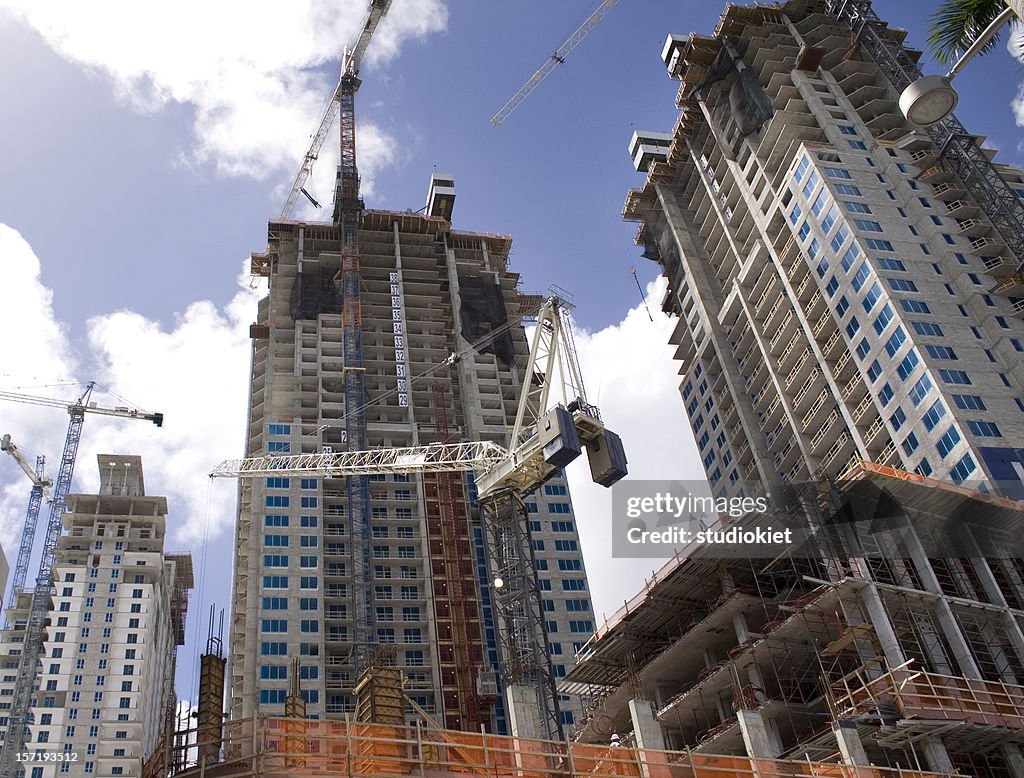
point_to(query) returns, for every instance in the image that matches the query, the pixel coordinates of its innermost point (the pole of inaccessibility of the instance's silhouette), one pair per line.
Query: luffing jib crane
(557, 58)
(40, 491)
(35, 629)
(543, 441)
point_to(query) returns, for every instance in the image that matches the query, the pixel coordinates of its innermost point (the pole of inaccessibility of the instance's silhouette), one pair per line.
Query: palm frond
(1015, 45)
(957, 24)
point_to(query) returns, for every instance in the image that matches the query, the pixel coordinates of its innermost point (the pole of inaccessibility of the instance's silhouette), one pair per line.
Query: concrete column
(1014, 759)
(936, 757)
(761, 742)
(523, 712)
(650, 741)
(957, 641)
(850, 744)
(646, 728)
(875, 609)
(739, 623)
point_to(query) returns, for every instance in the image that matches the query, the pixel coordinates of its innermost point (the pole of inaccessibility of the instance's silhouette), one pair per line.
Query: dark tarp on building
(483, 312)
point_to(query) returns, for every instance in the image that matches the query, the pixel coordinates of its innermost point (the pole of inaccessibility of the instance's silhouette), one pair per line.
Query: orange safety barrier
(266, 747)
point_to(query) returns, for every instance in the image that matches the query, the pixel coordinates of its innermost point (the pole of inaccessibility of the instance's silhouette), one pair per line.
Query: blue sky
(139, 164)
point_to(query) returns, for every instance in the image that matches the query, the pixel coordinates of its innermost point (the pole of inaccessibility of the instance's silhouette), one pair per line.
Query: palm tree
(958, 23)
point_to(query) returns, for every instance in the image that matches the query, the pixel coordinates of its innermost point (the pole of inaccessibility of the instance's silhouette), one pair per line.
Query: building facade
(106, 696)
(442, 355)
(841, 293)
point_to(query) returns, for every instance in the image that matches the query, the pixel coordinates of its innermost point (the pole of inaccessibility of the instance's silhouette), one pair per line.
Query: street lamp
(931, 99)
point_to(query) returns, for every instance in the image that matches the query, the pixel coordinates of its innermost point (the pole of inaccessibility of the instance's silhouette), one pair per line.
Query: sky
(141, 158)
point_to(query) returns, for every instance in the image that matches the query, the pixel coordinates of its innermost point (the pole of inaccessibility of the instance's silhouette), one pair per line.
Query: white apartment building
(106, 682)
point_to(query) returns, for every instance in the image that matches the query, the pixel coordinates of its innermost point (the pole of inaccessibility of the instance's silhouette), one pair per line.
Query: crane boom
(556, 59)
(35, 629)
(350, 62)
(83, 406)
(434, 458)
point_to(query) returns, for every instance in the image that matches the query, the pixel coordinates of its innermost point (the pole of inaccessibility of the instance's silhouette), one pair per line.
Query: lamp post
(931, 99)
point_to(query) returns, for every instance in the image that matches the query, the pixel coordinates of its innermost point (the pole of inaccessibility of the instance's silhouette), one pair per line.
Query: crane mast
(40, 489)
(35, 629)
(349, 69)
(543, 442)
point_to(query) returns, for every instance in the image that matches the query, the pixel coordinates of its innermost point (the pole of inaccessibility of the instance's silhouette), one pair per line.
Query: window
(846, 129)
(275, 540)
(275, 560)
(308, 521)
(940, 352)
(920, 390)
(853, 327)
(910, 444)
(984, 429)
(277, 483)
(581, 626)
(914, 306)
(874, 370)
(867, 225)
(934, 415)
(962, 469)
(885, 395)
(947, 442)
(883, 319)
(570, 564)
(969, 402)
(895, 341)
(272, 696)
(897, 419)
(871, 297)
(847, 189)
(906, 367)
(958, 377)
(275, 521)
(878, 244)
(842, 306)
(273, 649)
(888, 263)
(859, 145)
(276, 501)
(927, 328)
(901, 285)
(837, 172)
(275, 582)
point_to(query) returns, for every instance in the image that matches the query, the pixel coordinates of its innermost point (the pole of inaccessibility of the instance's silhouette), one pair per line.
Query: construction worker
(615, 742)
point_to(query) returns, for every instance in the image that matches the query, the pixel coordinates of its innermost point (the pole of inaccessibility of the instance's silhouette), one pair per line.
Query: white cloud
(631, 375)
(256, 73)
(195, 373)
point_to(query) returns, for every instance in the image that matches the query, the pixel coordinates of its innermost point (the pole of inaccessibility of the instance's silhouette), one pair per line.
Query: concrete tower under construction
(441, 352)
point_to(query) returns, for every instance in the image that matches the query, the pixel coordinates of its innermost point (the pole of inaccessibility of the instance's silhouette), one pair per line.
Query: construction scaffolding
(258, 748)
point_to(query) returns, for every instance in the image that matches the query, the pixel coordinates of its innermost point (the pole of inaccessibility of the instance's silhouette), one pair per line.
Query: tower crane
(348, 206)
(348, 85)
(40, 490)
(543, 441)
(28, 666)
(557, 58)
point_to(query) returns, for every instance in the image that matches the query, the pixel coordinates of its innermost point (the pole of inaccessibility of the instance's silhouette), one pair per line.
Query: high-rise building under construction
(844, 287)
(441, 350)
(844, 283)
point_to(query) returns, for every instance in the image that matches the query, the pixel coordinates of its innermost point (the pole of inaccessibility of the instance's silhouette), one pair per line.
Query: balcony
(972, 228)
(960, 209)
